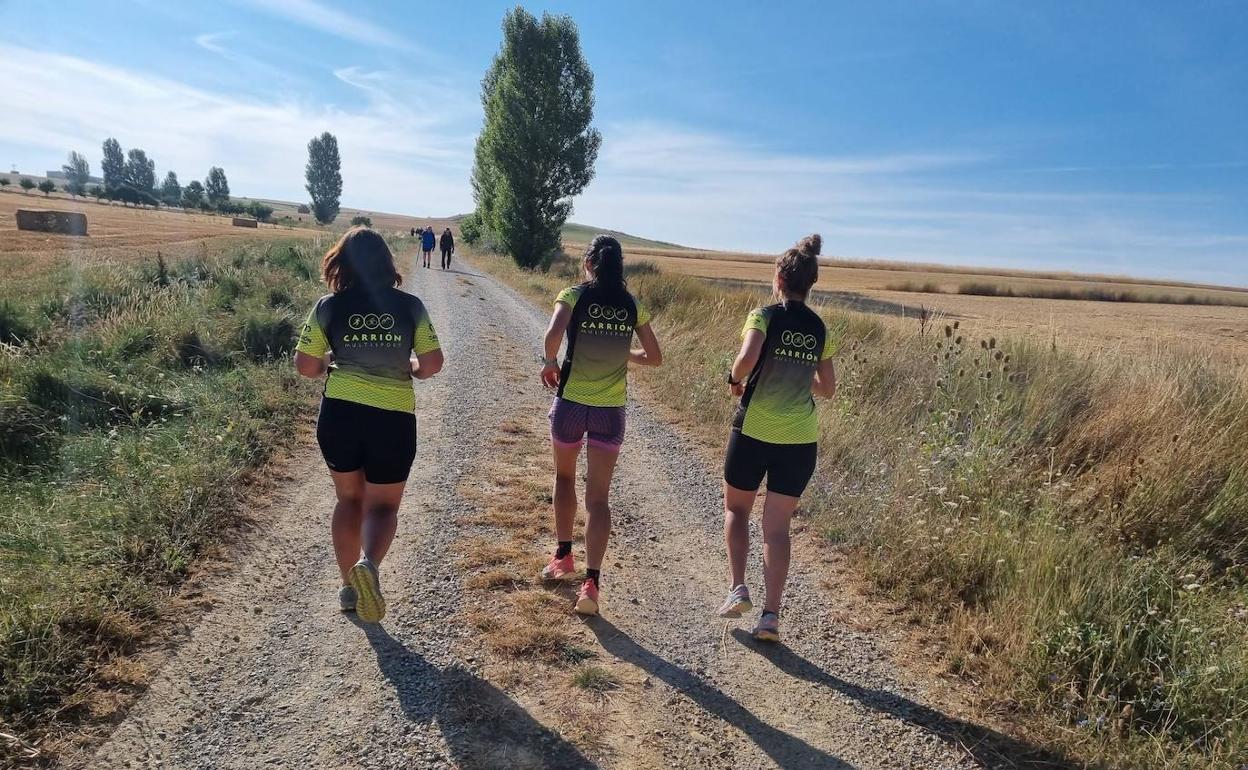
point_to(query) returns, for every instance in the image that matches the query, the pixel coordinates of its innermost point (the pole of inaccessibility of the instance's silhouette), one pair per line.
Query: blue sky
(1100, 136)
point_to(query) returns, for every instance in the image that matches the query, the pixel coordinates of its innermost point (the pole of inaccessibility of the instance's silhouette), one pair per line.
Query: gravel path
(273, 675)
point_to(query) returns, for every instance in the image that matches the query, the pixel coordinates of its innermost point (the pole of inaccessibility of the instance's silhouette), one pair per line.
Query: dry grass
(529, 628)
(1075, 526)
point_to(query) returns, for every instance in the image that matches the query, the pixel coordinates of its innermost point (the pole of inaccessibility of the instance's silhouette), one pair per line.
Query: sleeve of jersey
(425, 339)
(643, 314)
(829, 347)
(312, 339)
(757, 319)
(569, 296)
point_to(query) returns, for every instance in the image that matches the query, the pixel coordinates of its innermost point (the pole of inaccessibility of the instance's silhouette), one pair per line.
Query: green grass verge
(1078, 528)
(134, 400)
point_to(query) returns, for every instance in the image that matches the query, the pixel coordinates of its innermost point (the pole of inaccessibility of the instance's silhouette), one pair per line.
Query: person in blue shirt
(427, 242)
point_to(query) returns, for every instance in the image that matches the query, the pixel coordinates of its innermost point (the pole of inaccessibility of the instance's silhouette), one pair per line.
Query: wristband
(732, 381)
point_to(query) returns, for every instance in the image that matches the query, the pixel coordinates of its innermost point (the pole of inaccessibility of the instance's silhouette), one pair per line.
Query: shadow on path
(482, 726)
(787, 751)
(988, 747)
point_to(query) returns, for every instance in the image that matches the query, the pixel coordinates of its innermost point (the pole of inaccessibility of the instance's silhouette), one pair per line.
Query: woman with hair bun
(369, 339)
(785, 360)
(599, 317)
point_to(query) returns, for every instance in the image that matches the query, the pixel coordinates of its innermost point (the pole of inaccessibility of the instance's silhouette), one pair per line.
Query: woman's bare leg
(348, 516)
(738, 503)
(381, 518)
(601, 467)
(565, 490)
(777, 516)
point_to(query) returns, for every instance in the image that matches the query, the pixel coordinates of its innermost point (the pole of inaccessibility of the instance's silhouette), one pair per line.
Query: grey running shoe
(768, 628)
(370, 606)
(738, 602)
(346, 599)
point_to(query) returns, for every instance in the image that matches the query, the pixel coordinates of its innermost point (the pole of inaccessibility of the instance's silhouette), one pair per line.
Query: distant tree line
(129, 177)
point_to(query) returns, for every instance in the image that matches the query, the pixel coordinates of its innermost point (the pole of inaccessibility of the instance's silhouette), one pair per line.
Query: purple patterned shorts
(571, 422)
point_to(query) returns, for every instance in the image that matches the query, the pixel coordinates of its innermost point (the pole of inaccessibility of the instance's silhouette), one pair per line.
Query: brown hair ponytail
(359, 258)
(798, 267)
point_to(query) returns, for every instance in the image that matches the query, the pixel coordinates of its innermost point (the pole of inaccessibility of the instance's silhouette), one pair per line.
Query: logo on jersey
(371, 321)
(607, 320)
(799, 340)
(607, 313)
(796, 346)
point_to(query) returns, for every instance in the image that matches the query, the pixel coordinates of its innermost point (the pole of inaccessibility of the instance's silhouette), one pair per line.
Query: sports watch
(730, 380)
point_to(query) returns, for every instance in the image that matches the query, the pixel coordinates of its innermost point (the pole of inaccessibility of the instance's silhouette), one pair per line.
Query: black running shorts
(354, 436)
(788, 467)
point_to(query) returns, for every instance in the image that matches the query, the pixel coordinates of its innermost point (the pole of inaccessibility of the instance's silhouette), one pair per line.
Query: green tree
(324, 175)
(47, 187)
(77, 174)
(170, 190)
(216, 186)
(113, 167)
(261, 211)
(27, 184)
(470, 228)
(5, 181)
(97, 192)
(192, 194)
(140, 174)
(360, 219)
(536, 150)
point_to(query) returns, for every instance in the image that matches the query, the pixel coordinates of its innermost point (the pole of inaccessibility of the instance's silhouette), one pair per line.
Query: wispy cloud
(315, 15)
(396, 159)
(1210, 165)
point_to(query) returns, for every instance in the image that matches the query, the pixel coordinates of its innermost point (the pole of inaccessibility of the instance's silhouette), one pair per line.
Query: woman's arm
(824, 384)
(650, 354)
(311, 366)
(425, 365)
(751, 349)
(559, 321)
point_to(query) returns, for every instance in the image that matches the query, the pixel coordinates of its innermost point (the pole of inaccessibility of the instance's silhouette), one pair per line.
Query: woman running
(785, 360)
(363, 335)
(599, 317)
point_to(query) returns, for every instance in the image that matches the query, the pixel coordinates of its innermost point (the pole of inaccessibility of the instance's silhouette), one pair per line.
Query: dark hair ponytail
(606, 262)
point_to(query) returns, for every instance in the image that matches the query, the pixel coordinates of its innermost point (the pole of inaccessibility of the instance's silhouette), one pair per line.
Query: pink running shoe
(587, 599)
(738, 602)
(768, 628)
(559, 569)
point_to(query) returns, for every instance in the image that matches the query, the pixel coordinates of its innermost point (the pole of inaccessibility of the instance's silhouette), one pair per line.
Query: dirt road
(272, 675)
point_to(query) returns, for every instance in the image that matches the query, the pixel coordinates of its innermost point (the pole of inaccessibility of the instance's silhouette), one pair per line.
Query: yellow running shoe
(370, 605)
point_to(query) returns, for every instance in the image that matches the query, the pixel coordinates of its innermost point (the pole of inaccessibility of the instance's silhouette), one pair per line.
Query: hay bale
(62, 222)
(240, 222)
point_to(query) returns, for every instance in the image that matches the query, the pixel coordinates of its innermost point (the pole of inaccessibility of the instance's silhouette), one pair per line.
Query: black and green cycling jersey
(372, 333)
(777, 406)
(600, 335)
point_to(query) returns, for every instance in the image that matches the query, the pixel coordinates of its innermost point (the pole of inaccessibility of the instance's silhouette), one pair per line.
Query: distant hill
(578, 233)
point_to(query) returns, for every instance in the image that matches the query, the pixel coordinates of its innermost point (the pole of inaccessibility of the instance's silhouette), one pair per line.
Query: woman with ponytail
(369, 339)
(785, 360)
(599, 318)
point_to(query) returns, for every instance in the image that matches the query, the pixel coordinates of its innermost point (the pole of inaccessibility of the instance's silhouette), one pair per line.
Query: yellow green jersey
(372, 333)
(600, 336)
(777, 406)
